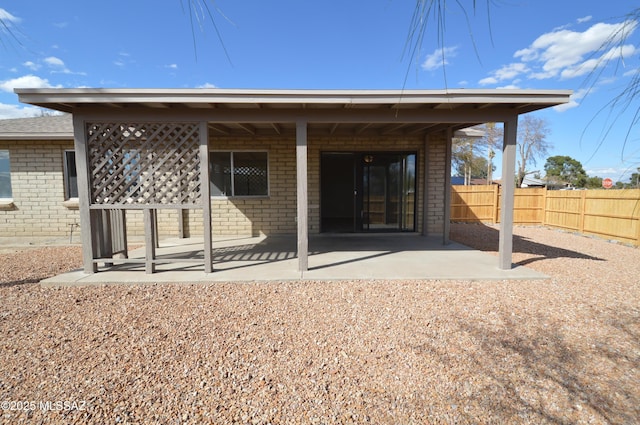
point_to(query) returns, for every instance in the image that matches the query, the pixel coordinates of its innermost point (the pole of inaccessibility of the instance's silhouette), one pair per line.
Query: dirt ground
(565, 350)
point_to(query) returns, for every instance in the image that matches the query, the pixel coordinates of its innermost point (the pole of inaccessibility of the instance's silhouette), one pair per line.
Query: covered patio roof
(328, 112)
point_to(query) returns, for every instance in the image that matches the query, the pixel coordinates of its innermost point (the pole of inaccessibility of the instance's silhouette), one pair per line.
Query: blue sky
(338, 44)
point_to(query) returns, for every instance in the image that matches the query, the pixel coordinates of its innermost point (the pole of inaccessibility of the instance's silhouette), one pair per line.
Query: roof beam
(248, 128)
(290, 115)
(276, 127)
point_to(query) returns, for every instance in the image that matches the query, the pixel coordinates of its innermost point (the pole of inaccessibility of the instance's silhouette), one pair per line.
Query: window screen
(239, 174)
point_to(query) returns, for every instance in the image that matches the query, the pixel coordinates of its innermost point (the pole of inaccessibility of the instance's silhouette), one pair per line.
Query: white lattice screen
(145, 164)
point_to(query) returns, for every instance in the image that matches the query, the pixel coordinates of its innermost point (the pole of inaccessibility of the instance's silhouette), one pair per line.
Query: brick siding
(37, 179)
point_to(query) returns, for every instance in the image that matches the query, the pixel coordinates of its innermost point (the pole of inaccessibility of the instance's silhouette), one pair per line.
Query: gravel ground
(561, 351)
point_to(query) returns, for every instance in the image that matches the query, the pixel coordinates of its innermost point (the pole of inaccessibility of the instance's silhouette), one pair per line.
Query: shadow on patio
(331, 257)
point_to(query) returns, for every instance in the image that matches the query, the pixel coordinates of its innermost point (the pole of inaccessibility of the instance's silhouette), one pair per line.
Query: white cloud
(439, 58)
(58, 66)
(507, 72)
(17, 111)
(509, 87)
(26, 81)
(206, 86)
(563, 52)
(54, 62)
(123, 60)
(488, 81)
(589, 65)
(8, 17)
(573, 101)
(584, 19)
(172, 66)
(31, 65)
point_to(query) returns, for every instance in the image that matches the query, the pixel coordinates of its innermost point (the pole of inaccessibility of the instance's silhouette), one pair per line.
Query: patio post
(425, 192)
(302, 195)
(505, 245)
(84, 195)
(447, 188)
(205, 189)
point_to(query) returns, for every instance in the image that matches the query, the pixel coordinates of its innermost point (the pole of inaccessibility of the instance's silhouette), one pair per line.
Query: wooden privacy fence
(611, 214)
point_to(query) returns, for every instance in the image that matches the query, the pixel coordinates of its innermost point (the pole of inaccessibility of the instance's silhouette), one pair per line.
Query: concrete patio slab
(332, 257)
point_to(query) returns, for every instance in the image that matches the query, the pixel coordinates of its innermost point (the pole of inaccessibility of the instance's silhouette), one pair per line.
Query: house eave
(68, 99)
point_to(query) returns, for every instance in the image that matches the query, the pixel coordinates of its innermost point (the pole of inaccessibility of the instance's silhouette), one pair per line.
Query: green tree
(532, 143)
(464, 152)
(594, 182)
(493, 139)
(470, 165)
(564, 169)
(634, 180)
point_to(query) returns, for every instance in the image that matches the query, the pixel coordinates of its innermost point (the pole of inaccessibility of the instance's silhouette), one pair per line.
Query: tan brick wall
(38, 188)
(436, 189)
(273, 214)
(37, 185)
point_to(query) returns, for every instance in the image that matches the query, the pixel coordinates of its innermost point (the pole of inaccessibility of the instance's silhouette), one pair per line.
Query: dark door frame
(357, 186)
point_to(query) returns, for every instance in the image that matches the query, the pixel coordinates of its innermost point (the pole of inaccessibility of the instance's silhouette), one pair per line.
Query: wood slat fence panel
(611, 214)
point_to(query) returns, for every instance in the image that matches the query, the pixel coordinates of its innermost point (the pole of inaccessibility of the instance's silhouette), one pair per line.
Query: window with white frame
(5, 175)
(239, 173)
(70, 175)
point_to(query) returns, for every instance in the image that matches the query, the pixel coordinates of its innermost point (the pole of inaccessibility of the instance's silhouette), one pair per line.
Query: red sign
(607, 183)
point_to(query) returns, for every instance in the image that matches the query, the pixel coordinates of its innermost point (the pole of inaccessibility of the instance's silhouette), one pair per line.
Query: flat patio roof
(274, 112)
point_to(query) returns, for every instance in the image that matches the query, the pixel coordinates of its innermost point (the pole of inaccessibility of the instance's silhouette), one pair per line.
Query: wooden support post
(156, 235)
(106, 237)
(205, 190)
(496, 206)
(149, 241)
(302, 195)
(505, 246)
(425, 192)
(543, 221)
(181, 233)
(84, 194)
(583, 207)
(638, 229)
(447, 189)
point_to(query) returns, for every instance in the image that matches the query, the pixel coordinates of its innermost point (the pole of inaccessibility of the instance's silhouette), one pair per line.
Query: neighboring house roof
(531, 182)
(54, 127)
(470, 133)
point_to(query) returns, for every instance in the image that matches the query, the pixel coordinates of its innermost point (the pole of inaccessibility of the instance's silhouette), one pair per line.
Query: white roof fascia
(300, 97)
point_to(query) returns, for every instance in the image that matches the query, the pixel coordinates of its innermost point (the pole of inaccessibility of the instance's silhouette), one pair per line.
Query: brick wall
(37, 185)
(436, 188)
(38, 188)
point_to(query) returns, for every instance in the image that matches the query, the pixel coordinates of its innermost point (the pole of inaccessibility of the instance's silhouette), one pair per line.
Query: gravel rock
(562, 350)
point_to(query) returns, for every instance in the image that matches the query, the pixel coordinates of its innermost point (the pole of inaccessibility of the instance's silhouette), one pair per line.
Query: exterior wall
(39, 208)
(253, 216)
(37, 184)
(276, 214)
(37, 179)
(436, 186)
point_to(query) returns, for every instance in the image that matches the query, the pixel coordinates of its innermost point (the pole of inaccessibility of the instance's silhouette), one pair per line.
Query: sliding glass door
(368, 192)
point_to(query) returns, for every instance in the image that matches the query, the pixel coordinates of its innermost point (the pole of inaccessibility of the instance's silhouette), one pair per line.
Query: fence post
(543, 220)
(583, 207)
(638, 224)
(496, 188)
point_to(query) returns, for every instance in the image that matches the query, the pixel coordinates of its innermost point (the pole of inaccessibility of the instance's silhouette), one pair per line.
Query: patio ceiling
(327, 112)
